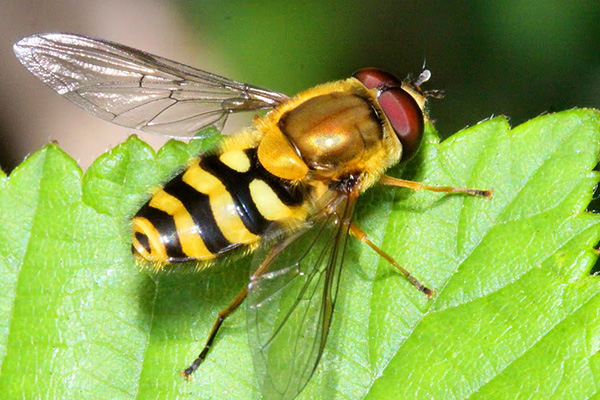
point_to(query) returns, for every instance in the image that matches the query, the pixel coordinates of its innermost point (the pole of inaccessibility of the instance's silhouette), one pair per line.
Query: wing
(136, 89)
(291, 299)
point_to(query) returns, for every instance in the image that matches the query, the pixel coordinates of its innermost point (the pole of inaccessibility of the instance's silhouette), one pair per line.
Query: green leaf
(515, 311)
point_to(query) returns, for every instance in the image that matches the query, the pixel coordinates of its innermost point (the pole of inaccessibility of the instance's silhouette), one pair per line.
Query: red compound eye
(401, 109)
(376, 78)
(406, 118)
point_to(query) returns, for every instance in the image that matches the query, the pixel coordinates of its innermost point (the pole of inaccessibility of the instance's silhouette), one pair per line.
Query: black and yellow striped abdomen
(221, 202)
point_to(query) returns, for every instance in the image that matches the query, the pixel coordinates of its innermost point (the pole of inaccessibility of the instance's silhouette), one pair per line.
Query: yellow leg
(389, 181)
(362, 236)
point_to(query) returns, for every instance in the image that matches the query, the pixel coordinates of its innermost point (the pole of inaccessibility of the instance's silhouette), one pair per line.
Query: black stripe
(290, 195)
(237, 184)
(198, 205)
(165, 225)
(143, 241)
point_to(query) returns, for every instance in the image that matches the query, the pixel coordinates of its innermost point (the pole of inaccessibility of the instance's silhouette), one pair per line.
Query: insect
(284, 188)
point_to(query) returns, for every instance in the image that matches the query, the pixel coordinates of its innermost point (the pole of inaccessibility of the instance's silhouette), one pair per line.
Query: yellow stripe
(157, 248)
(236, 160)
(165, 202)
(228, 219)
(189, 237)
(267, 201)
(202, 181)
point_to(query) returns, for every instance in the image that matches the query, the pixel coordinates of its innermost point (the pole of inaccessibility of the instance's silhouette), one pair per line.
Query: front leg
(390, 181)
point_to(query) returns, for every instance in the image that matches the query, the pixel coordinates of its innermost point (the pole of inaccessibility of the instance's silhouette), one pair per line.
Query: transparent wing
(135, 89)
(291, 299)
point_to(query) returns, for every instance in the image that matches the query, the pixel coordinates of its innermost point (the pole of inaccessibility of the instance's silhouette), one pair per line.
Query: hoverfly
(286, 186)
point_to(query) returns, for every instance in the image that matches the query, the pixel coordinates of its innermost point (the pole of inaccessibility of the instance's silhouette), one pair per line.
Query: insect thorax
(328, 133)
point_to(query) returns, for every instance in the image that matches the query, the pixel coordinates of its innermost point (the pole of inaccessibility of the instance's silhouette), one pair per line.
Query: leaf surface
(515, 313)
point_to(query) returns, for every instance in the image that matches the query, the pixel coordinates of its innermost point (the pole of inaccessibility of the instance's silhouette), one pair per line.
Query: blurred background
(517, 58)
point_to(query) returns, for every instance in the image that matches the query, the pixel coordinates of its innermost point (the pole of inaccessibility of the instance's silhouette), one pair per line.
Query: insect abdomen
(221, 202)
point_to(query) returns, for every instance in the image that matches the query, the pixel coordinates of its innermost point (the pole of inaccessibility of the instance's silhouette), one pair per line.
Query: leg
(360, 235)
(389, 181)
(223, 314)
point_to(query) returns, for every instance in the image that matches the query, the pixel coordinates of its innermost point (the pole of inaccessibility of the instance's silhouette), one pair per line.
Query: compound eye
(405, 116)
(376, 78)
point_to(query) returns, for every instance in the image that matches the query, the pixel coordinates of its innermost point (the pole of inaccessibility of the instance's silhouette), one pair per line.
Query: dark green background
(517, 58)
